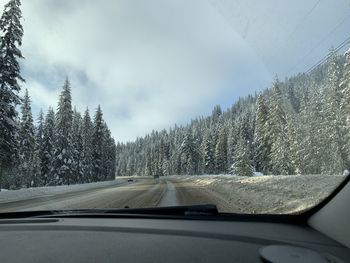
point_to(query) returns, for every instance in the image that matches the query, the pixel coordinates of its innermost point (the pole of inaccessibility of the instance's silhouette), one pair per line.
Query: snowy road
(268, 194)
(140, 193)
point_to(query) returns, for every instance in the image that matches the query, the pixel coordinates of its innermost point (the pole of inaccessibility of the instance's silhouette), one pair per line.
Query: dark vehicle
(130, 180)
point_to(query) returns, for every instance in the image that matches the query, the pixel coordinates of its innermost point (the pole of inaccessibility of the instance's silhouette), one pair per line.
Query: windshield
(113, 104)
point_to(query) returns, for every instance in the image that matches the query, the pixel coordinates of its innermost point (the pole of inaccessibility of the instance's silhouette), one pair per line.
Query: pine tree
(87, 131)
(208, 154)
(345, 110)
(189, 154)
(277, 132)
(48, 176)
(109, 155)
(221, 151)
(97, 145)
(310, 136)
(232, 143)
(335, 156)
(39, 151)
(63, 155)
(11, 38)
(77, 148)
(242, 164)
(261, 140)
(217, 112)
(27, 144)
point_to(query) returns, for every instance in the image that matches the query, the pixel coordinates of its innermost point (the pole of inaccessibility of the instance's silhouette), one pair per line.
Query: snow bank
(30, 193)
(265, 194)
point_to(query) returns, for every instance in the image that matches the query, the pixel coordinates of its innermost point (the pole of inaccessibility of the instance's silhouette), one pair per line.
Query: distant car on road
(130, 180)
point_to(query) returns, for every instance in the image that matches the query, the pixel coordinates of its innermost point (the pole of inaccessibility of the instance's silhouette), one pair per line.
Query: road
(140, 193)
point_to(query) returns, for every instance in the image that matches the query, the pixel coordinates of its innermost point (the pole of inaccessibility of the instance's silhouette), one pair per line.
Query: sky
(151, 64)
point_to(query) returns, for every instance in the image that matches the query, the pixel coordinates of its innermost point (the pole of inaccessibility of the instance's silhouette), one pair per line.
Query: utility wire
(325, 58)
(302, 20)
(320, 42)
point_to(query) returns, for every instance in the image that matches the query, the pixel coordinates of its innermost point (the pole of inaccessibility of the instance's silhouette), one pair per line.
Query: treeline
(63, 147)
(299, 125)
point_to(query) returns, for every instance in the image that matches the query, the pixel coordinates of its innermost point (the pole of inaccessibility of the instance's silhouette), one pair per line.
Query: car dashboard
(155, 240)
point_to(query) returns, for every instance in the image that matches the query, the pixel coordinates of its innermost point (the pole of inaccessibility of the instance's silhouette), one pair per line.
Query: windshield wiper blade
(188, 210)
(170, 211)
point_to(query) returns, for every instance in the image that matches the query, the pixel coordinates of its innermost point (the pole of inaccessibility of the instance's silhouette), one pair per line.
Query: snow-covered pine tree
(48, 176)
(261, 140)
(148, 168)
(345, 110)
(11, 33)
(77, 148)
(27, 144)
(221, 151)
(208, 154)
(97, 145)
(109, 155)
(215, 116)
(189, 154)
(310, 142)
(242, 165)
(335, 156)
(232, 139)
(277, 133)
(39, 138)
(62, 165)
(87, 132)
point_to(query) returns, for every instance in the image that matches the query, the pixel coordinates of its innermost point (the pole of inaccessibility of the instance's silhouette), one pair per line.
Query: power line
(325, 58)
(320, 42)
(303, 20)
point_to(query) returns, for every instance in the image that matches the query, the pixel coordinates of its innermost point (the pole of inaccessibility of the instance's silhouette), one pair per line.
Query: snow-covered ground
(29, 193)
(265, 194)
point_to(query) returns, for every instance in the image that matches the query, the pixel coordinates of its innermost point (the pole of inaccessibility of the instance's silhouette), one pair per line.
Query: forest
(59, 148)
(297, 126)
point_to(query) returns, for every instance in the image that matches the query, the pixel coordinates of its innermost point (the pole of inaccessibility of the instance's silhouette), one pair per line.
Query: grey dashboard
(153, 240)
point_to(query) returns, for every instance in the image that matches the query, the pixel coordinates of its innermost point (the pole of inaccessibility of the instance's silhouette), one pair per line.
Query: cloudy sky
(151, 64)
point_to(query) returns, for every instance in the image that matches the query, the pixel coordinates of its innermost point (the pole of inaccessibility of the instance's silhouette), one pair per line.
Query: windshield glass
(113, 104)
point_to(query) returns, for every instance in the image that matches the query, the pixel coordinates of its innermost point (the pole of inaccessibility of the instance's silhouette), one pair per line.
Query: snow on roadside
(29, 193)
(266, 194)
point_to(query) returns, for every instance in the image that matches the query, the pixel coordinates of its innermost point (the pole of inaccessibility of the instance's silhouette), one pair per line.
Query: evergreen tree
(39, 151)
(345, 111)
(217, 112)
(310, 136)
(77, 148)
(108, 155)
(27, 144)
(189, 155)
(208, 154)
(11, 33)
(261, 140)
(221, 151)
(335, 155)
(87, 131)
(97, 144)
(62, 166)
(277, 132)
(242, 165)
(48, 176)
